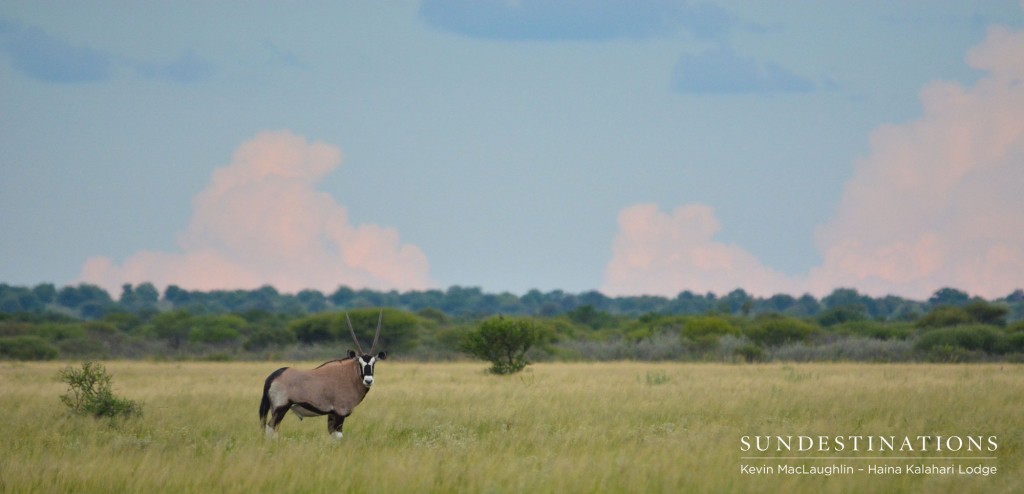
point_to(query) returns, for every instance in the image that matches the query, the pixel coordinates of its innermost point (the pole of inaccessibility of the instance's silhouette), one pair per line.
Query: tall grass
(440, 427)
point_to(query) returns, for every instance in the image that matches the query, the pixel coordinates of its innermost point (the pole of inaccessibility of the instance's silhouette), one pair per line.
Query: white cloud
(937, 202)
(261, 220)
(664, 254)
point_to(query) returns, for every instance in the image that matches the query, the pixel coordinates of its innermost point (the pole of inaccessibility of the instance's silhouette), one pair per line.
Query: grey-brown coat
(334, 388)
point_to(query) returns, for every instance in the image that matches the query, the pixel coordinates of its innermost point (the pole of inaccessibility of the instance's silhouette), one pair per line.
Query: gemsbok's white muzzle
(366, 369)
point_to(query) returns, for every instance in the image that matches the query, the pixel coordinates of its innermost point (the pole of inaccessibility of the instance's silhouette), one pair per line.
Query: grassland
(610, 427)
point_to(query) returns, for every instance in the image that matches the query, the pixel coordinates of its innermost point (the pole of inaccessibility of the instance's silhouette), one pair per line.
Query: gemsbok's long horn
(376, 337)
(354, 338)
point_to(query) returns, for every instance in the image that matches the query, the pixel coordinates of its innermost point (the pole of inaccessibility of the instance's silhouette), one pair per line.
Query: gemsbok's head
(366, 360)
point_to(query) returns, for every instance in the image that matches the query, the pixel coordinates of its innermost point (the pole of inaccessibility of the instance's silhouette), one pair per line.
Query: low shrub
(750, 353)
(269, 337)
(89, 393)
(847, 349)
(974, 337)
(214, 335)
(776, 330)
(83, 348)
(715, 326)
(1014, 342)
(944, 316)
(27, 347)
(875, 329)
(502, 342)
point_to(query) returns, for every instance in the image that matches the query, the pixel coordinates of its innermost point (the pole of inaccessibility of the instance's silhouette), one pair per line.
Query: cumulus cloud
(664, 254)
(543, 20)
(937, 202)
(261, 220)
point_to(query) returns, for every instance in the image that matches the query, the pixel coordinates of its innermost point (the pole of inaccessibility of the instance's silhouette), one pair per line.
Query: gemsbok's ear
(351, 354)
(382, 356)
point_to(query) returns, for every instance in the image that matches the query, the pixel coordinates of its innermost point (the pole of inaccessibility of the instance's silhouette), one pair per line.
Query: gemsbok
(333, 389)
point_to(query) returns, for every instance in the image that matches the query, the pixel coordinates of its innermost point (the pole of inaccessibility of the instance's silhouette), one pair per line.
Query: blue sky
(629, 147)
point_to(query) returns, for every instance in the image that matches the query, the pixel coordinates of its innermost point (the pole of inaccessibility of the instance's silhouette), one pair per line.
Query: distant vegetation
(85, 322)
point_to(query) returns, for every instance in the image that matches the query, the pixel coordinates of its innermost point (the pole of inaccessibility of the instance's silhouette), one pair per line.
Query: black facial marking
(365, 369)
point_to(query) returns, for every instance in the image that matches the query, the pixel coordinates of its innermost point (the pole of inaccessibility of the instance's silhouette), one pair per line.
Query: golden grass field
(438, 427)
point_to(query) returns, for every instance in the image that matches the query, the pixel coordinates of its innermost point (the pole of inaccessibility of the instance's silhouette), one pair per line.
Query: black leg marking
(335, 422)
(279, 413)
(311, 408)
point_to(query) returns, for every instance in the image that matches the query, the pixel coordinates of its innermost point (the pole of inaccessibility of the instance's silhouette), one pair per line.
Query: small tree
(502, 342)
(174, 326)
(27, 347)
(89, 393)
(776, 330)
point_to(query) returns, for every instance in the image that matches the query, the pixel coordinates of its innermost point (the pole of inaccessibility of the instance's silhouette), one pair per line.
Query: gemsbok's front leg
(334, 424)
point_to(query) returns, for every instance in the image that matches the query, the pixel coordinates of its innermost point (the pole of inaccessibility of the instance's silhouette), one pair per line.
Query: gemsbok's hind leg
(275, 420)
(334, 424)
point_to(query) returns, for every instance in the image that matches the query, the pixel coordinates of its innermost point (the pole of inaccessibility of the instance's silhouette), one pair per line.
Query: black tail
(265, 402)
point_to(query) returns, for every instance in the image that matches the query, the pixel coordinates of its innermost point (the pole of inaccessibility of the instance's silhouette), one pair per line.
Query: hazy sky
(624, 146)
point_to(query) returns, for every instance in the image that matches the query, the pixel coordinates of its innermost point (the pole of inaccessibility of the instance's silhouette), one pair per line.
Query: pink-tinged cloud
(937, 202)
(663, 254)
(261, 220)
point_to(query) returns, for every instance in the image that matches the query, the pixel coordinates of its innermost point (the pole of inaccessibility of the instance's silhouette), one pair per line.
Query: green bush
(841, 314)
(217, 329)
(318, 328)
(1015, 342)
(713, 326)
(214, 335)
(269, 337)
(953, 353)
(984, 312)
(944, 316)
(27, 347)
(502, 342)
(174, 326)
(875, 329)
(89, 393)
(57, 332)
(775, 330)
(701, 334)
(750, 353)
(83, 348)
(974, 337)
(400, 330)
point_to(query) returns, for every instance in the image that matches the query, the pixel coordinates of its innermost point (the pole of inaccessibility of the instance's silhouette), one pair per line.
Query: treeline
(91, 302)
(84, 321)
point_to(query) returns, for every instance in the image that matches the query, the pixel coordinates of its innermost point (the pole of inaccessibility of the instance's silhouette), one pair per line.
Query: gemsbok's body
(333, 389)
